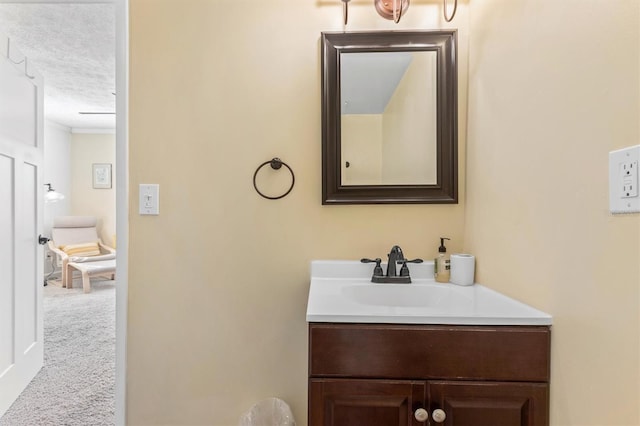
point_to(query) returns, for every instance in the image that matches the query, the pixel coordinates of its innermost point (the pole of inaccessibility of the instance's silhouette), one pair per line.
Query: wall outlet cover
(149, 199)
(623, 180)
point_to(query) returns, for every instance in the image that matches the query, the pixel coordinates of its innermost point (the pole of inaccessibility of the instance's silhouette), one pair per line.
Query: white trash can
(268, 412)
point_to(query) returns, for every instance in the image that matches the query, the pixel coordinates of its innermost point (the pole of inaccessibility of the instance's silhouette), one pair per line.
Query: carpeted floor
(76, 385)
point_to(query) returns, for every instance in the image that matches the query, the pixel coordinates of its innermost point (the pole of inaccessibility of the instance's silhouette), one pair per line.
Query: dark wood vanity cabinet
(364, 402)
(381, 375)
(491, 403)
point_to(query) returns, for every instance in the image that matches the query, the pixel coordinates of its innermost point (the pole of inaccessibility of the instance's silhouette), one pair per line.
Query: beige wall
(553, 87)
(87, 149)
(218, 281)
(409, 126)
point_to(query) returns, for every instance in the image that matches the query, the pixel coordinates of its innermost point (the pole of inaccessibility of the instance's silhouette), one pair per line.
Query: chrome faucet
(392, 276)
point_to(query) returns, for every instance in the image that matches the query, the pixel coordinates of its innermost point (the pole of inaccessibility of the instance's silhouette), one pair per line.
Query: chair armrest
(63, 256)
(106, 248)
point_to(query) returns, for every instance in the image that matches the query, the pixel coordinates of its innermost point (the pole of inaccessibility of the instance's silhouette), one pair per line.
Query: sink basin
(342, 291)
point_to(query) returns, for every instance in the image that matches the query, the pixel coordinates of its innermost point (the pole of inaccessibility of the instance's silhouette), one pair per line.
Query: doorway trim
(122, 205)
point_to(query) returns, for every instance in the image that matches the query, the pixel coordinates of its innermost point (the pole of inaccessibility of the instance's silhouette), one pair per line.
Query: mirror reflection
(388, 118)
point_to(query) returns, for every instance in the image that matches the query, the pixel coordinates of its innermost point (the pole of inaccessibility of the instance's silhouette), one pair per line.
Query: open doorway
(113, 223)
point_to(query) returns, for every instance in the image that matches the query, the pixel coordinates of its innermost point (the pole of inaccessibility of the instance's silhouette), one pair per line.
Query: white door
(21, 204)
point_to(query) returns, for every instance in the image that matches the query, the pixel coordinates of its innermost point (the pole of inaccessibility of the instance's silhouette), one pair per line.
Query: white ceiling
(73, 47)
(369, 79)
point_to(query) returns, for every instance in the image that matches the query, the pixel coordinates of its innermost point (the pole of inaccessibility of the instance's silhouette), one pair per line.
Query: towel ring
(276, 164)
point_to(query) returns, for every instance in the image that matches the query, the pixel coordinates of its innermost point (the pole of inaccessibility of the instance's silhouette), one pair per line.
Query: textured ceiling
(73, 47)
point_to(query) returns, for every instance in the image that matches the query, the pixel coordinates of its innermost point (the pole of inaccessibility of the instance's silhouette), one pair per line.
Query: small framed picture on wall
(102, 176)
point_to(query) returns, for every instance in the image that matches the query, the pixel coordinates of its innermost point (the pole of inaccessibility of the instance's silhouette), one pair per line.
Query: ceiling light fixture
(52, 196)
(394, 9)
(391, 9)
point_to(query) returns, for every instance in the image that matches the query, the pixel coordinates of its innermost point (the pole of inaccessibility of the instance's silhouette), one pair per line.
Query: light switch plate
(623, 180)
(149, 199)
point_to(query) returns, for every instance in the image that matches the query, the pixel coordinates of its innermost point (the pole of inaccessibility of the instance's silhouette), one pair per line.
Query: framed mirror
(389, 117)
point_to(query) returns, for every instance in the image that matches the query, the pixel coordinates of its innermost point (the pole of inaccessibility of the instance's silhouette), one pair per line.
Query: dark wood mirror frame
(445, 191)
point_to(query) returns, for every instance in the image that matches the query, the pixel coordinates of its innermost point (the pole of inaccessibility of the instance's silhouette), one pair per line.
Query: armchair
(74, 239)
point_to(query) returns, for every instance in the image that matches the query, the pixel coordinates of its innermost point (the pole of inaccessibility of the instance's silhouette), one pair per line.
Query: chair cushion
(75, 222)
(74, 230)
(66, 236)
(83, 249)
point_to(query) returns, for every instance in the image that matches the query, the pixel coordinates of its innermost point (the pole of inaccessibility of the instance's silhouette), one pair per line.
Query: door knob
(439, 415)
(421, 415)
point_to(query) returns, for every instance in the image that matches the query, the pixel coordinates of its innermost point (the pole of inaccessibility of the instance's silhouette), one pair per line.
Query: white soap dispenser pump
(442, 264)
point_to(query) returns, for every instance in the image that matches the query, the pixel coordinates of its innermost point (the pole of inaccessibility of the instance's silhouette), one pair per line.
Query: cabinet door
(490, 403)
(365, 402)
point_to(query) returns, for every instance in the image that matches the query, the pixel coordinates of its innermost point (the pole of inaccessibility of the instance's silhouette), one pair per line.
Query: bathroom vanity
(422, 353)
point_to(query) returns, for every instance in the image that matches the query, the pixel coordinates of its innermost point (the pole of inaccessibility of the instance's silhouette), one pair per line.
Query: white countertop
(341, 291)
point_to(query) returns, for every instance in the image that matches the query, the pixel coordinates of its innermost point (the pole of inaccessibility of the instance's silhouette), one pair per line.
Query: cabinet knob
(421, 415)
(439, 415)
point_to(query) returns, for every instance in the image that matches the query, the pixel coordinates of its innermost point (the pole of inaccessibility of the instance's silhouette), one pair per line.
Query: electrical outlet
(623, 180)
(629, 177)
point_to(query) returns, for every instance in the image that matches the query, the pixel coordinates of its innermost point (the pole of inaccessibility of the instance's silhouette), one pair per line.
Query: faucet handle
(404, 271)
(377, 271)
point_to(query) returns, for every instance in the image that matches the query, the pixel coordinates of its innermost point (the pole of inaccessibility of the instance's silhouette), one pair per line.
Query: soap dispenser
(442, 264)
